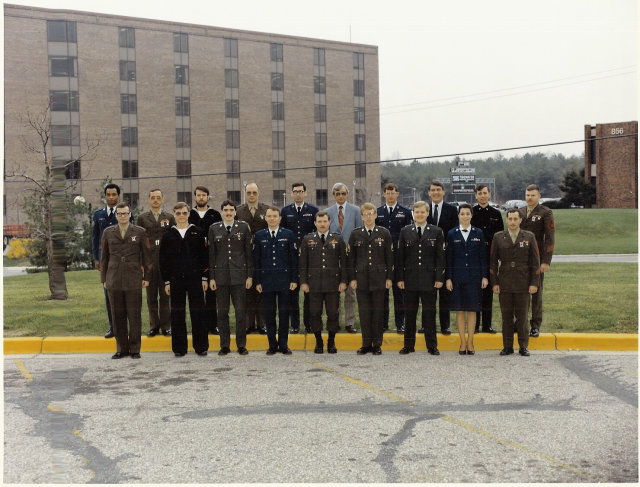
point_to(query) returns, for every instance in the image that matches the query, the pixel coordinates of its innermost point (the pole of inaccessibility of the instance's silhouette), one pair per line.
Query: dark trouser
(514, 306)
(371, 312)
(536, 305)
(159, 315)
(255, 313)
(238, 295)
(294, 309)
(108, 303)
(126, 306)
(279, 300)
(428, 299)
(398, 306)
(179, 291)
(331, 303)
(210, 315)
(484, 317)
(444, 296)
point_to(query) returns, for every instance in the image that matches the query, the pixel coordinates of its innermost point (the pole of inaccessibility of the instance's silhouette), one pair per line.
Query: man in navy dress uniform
(394, 217)
(299, 217)
(275, 263)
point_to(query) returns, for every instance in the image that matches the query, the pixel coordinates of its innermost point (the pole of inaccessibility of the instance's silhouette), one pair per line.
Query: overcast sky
(455, 76)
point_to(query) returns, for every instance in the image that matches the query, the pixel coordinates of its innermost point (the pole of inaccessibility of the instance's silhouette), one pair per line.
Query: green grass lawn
(584, 297)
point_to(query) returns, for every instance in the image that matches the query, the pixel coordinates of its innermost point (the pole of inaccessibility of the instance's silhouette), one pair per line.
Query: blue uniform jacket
(302, 225)
(395, 221)
(101, 221)
(466, 261)
(275, 261)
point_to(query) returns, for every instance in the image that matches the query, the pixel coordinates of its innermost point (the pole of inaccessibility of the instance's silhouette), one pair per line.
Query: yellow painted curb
(78, 345)
(23, 345)
(597, 341)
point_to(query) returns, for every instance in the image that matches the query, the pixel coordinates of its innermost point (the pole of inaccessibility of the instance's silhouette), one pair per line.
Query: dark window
(360, 142)
(232, 108)
(127, 70)
(61, 31)
(62, 66)
(183, 168)
(183, 106)
(358, 87)
(129, 136)
(233, 167)
(128, 103)
(359, 115)
(180, 42)
(65, 135)
(321, 141)
(321, 169)
(231, 48)
(276, 52)
(278, 197)
(277, 110)
(319, 84)
(361, 170)
(64, 101)
(72, 170)
(234, 196)
(320, 113)
(321, 197)
(277, 140)
(358, 60)
(126, 37)
(132, 198)
(130, 169)
(231, 78)
(185, 196)
(183, 138)
(233, 139)
(182, 75)
(277, 81)
(278, 169)
(318, 56)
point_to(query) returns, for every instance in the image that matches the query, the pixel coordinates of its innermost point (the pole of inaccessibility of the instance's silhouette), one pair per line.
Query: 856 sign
(617, 131)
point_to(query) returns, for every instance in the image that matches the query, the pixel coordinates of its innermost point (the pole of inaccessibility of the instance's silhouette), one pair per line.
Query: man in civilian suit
(344, 218)
(299, 217)
(445, 216)
(104, 218)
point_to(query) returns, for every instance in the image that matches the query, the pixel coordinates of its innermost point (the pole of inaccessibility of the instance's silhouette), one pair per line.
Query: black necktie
(419, 232)
(435, 214)
(110, 212)
(465, 229)
(273, 235)
(322, 238)
(299, 210)
(228, 229)
(370, 232)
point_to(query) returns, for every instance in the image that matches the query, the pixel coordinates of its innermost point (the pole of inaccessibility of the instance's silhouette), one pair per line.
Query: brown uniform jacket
(257, 221)
(123, 260)
(370, 258)
(230, 254)
(155, 230)
(514, 266)
(540, 222)
(323, 267)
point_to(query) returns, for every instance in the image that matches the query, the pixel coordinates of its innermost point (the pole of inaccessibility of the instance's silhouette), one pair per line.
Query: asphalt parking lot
(553, 417)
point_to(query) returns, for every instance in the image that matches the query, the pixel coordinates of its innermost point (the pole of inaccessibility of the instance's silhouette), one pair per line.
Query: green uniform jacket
(540, 222)
(123, 260)
(514, 266)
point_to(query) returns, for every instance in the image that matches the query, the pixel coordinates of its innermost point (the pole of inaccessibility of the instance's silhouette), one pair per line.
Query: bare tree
(46, 201)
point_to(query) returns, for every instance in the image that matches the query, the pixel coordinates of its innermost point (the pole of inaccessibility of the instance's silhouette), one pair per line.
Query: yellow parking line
(629, 371)
(23, 369)
(458, 422)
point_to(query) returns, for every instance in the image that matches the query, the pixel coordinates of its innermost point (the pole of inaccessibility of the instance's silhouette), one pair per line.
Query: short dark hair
(323, 213)
(123, 204)
(533, 187)
(514, 210)
(180, 204)
(480, 187)
(201, 188)
(154, 190)
(272, 208)
(436, 183)
(465, 205)
(227, 203)
(392, 186)
(304, 186)
(112, 186)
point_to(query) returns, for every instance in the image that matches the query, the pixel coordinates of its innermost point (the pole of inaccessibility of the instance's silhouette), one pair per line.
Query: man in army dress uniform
(123, 264)
(420, 273)
(370, 264)
(323, 274)
(514, 269)
(156, 222)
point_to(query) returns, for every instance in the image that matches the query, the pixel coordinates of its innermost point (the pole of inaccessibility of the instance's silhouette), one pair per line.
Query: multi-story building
(179, 105)
(611, 163)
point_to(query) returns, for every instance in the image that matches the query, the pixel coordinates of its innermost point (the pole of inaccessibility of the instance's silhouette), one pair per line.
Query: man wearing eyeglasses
(299, 217)
(124, 264)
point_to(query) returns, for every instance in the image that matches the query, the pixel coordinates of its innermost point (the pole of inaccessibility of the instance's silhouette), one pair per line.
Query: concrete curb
(392, 341)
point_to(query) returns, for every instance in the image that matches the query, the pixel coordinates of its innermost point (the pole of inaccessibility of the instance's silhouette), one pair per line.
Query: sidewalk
(392, 342)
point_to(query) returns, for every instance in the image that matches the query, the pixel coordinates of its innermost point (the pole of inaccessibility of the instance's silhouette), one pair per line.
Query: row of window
(130, 169)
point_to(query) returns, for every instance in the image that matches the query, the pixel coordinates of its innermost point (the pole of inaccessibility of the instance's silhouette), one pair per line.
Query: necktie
(253, 211)
(299, 210)
(228, 229)
(419, 232)
(110, 212)
(273, 235)
(435, 214)
(465, 229)
(390, 210)
(340, 217)
(369, 232)
(322, 238)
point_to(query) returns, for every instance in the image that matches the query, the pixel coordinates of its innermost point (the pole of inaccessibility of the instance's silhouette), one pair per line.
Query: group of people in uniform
(259, 257)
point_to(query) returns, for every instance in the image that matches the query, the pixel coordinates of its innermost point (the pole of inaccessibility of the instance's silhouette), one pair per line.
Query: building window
(321, 141)
(185, 196)
(359, 114)
(183, 168)
(232, 108)
(231, 78)
(322, 197)
(278, 197)
(126, 37)
(182, 75)
(276, 52)
(277, 139)
(231, 48)
(129, 169)
(320, 113)
(61, 31)
(183, 138)
(233, 139)
(278, 169)
(183, 106)
(129, 136)
(180, 42)
(128, 104)
(358, 60)
(65, 135)
(277, 81)
(321, 169)
(318, 56)
(62, 66)
(127, 70)
(277, 110)
(319, 84)
(233, 167)
(234, 196)
(360, 142)
(132, 198)
(64, 101)
(361, 170)
(358, 87)
(72, 170)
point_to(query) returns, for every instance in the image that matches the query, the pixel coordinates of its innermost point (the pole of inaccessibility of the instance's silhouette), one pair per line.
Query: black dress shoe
(507, 351)
(307, 329)
(446, 331)
(363, 350)
(118, 355)
(318, 349)
(434, 351)
(376, 351)
(535, 333)
(224, 351)
(262, 330)
(524, 352)
(400, 330)
(109, 334)
(490, 330)
(215, 331)
(462, 352)
(252, 329)
(406, 350)
(477, 330)
(202, 354)
(294, 331)
(471, 352)
(153, 332)
(180, 354)
(243, 351)
(272, 351)
(135, 355)
(421, 330)
(166, 333)
(350, 329)
(331, 348)
(286, 351)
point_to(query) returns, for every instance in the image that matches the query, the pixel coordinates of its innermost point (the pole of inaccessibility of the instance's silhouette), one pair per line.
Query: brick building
(181, 105)
(612, 163)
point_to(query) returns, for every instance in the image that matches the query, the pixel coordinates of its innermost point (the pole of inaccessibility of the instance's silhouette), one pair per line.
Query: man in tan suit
(124, 261)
